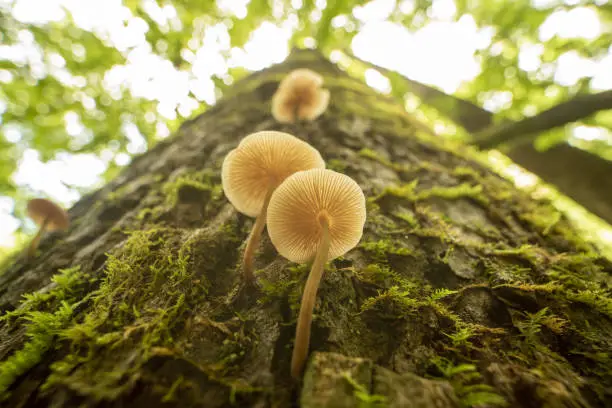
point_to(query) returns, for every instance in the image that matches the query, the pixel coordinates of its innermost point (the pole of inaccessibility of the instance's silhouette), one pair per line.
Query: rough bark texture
(463, 291)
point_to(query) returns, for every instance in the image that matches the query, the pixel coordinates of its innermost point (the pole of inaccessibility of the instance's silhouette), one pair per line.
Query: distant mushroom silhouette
(48, 216)
(300, 96)
(252, 171)
(315, 215)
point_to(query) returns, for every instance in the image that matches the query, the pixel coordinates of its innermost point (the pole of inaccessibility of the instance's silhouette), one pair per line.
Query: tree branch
(551, 165)
(572, 110)
(468, 115)
(478, 120)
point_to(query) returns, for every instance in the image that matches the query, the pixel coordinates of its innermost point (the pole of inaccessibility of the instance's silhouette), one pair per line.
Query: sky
(441, 54)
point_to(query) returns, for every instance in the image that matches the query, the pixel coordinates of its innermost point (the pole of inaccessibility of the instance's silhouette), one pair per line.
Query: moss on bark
(463, 289)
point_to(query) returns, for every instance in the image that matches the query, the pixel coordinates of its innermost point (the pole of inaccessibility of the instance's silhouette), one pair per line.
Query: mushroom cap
(301, 88)
(39, 209)
(301, 79)
(313, 108)
(298, 205)
(262, 161)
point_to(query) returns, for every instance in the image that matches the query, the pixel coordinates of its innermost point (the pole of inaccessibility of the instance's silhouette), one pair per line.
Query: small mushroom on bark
(315, 215)
(253, 170)
(300, 97)
(48, 216)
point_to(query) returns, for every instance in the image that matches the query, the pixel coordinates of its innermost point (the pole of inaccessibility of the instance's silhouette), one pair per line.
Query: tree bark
(462, 292)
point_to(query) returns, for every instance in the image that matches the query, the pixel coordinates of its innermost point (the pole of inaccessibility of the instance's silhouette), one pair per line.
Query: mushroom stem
(34, 243)
(253, 242)
(302, 333)
(296, 112)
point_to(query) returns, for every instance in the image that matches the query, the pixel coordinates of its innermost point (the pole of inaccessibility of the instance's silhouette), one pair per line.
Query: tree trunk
(583, 176)
(463, 291)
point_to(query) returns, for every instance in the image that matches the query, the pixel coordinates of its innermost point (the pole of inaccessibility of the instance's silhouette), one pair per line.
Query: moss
(233, 350)
(201, 187)
(381, 249)
(406, 191)
(376, 274)
(452, 193)
(548, 221)
(530, 253)
(44, 315)
(467, 383)
(276, 290)
(392, 303)
(363, 395)
(239, 388)
(409, 217)
(337, 165)
(372, 155)
(535, 346)
(381, 112)
(42, 329)
(285, 287)
(116, 194)
(598, 299)
(462, 334)
(147, 287)
(410, 193)
(204, 181)
(403, 297)
(440, 293)
(549, 287)
(467, 172)
(343, 84)
(171, 393)
(67, 285)
(377, 218)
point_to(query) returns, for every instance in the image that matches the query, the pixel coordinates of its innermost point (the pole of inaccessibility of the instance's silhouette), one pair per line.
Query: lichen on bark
(463, 289)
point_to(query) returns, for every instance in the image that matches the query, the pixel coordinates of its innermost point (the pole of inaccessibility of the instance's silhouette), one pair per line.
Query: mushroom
(252, 171)
(300, 96)
(315, 215)
(49, 216)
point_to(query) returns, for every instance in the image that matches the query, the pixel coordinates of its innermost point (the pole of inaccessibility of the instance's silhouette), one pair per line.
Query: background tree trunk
(463, 291)
(583, 176)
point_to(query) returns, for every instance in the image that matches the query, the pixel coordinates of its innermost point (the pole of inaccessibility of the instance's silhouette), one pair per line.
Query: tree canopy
(102, 81)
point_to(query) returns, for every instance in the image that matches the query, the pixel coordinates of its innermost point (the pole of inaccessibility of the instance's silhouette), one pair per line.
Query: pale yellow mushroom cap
(40, 209)
(301, 90)
(262, 161)
(296, 208)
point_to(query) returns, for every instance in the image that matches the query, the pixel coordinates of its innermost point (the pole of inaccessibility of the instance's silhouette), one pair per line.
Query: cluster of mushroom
(299, 97)
(313, 214)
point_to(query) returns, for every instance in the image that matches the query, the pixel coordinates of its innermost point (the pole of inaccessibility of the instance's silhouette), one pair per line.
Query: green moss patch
(147, 289)
(43, 315)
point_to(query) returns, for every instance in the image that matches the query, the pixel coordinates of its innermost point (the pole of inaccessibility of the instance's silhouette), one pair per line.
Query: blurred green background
(87, 84)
